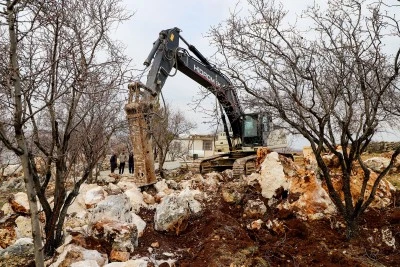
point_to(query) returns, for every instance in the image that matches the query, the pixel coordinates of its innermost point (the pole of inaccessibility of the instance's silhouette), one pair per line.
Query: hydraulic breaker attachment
(139, 110)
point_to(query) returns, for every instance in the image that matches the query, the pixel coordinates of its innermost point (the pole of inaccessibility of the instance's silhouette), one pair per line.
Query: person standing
(122, 159)
(113, 162)
(131, 163)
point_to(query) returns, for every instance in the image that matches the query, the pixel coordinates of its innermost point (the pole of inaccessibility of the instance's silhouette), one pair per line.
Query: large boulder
(112, 208)
(70, 254)
(24, 227)
(172, 214)
(377, 164)
(272, 177)
(79, 205)
(111, 220)
(94, 196)
(123, 236)
(18, 254)
(192, 198)
(308, 198)
(233, 192)
(135, 198)
(19, 203)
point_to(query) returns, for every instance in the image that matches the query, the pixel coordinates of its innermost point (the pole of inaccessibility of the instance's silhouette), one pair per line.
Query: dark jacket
(113, 161)
(130, 159)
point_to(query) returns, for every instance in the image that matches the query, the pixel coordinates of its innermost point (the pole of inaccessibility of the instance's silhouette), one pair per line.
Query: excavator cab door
(253, 127)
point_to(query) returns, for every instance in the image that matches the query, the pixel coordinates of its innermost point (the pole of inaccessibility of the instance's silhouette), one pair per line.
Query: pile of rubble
(104, 226)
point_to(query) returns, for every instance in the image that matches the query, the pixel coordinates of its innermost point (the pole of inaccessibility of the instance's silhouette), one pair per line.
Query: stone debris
(233, 192)
(18, 254)
(172, 214)
(377, 164)
(388, 238)
(105, 215)
(254, 209)
(255, 225)
(74, 254)
(24, 227)
(94, 196)
(272, 176)
(113, 208)
(19, 203)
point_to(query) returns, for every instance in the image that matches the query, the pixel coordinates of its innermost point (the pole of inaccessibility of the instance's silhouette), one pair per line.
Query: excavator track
(244, 166)
(242, 163)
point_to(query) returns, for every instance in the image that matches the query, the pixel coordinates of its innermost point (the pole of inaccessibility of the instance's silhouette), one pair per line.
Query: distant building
(201, 145)
(193, 146)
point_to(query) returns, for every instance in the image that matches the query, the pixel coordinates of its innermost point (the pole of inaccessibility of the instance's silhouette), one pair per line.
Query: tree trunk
(34, 211)
(351, 228)
(19, 135)
(161, 160)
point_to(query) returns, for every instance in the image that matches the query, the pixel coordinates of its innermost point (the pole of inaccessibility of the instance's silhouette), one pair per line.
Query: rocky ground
(279, 216)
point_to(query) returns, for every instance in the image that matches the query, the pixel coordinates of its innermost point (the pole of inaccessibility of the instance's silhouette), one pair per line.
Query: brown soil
(219, 237)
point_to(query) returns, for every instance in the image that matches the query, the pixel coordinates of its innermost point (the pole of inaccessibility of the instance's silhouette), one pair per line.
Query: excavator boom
(165, 55)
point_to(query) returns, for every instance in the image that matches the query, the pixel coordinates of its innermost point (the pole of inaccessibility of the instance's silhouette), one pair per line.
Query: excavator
(248, 131)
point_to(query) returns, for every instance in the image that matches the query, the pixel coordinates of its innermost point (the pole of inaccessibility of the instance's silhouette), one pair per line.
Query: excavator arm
(166, 55)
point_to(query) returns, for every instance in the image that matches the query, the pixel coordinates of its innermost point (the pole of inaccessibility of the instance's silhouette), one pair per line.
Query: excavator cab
(254, 127)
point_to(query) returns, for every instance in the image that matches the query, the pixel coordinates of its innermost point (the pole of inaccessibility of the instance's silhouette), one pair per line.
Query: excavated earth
(219, 236)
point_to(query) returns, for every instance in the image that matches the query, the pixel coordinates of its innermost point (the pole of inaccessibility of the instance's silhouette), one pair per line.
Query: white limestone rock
(72, 253)
(254, 209)
(172, 214)
(126, 185)
(161, 186)
(377, 164)
(191, 196)
(136, 198)
(123, 235)
(19, 203)
(130, 263)
(114, 207)
(272, 176)
(79, 206)
(94, 196)
(86, 263)
(24, 227)
(140, 224)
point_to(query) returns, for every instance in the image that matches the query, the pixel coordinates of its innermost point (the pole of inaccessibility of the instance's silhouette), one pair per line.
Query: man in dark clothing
(113, 163)
(131, 163)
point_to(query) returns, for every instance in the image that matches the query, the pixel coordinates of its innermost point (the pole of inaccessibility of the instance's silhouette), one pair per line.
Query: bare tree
(177, 150)
(62, 94)
(327, 82)
(168, 125)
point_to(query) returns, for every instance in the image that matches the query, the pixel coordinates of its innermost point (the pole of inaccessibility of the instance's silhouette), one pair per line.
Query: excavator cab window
(252, 135)
(250, 126)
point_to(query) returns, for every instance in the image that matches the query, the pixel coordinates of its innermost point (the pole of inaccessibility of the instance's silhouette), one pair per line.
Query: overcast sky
(194, 18)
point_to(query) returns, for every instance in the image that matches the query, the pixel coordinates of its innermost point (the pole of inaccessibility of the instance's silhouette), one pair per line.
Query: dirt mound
(221, 236)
